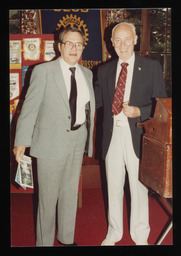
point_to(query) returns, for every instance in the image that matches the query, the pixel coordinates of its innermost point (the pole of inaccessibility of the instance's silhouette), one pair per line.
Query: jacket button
(68, 130)
(110, 130)
(68, 117)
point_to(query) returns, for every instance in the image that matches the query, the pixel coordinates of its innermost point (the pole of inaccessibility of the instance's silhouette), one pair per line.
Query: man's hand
(131, 111)
(19, 152)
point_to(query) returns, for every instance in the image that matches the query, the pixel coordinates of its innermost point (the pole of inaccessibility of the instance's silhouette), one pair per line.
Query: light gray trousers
(58, 182)
(121, 154)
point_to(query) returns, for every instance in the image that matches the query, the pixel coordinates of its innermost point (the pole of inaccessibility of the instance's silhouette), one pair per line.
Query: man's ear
(135, 39)
(112, 41)
(59, 47)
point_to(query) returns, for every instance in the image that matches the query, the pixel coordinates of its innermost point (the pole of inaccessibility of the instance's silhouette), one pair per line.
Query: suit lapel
(137, 74)
(58, 77)
(112, 79)
(86, 78)
(89, 84)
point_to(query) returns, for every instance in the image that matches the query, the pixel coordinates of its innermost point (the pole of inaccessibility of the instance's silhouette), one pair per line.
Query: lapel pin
(139, 68)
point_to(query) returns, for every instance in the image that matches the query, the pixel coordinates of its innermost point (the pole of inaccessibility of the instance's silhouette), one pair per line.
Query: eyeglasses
(69, 45)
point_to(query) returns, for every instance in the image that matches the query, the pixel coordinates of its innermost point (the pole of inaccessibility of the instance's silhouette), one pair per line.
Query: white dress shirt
(83, 96)
(121, 119)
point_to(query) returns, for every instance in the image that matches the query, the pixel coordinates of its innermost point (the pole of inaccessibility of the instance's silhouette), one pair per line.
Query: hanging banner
(87, 20)
(49, 52)
(14, 85)
(31, 48)
(15, 54)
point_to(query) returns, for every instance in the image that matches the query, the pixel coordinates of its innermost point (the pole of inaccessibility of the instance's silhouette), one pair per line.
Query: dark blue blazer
(147, 83)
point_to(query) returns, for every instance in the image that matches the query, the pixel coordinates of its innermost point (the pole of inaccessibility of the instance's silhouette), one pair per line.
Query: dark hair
(67, 29)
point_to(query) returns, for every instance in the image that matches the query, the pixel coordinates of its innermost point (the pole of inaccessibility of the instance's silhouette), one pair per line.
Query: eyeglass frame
(73, 44)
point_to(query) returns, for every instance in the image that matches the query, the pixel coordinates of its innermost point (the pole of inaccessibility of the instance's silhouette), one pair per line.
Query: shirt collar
(65, 65)
(129, 61)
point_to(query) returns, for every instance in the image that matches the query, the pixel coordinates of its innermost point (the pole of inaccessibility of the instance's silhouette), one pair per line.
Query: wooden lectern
(156, 162)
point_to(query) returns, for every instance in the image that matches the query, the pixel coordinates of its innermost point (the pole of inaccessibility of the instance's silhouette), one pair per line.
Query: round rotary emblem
(31, 47)
(74, 21)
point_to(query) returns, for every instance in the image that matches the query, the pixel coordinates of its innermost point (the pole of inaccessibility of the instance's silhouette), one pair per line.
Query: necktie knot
(124, 65)
(72, 69)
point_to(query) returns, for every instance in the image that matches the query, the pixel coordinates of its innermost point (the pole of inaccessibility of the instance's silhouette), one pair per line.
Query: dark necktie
(120, 89)
(73, 96)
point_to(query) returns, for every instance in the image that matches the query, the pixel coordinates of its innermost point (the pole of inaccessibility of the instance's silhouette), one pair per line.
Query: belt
(74, 128)
(120, 123)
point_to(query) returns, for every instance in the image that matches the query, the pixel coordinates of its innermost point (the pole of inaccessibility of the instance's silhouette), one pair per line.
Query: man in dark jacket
(126, 87)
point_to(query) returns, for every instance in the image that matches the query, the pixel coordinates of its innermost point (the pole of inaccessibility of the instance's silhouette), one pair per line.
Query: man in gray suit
(58, 134)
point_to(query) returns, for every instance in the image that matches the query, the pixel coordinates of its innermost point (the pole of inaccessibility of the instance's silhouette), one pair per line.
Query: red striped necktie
(120, 89)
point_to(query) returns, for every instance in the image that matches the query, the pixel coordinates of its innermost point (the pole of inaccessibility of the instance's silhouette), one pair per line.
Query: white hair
(125, 23)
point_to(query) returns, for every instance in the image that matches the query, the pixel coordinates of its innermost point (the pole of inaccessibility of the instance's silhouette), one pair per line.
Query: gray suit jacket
(45, 119)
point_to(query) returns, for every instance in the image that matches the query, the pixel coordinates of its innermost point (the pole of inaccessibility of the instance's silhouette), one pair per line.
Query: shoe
(143, 243)
(68, 245)
(106, 242)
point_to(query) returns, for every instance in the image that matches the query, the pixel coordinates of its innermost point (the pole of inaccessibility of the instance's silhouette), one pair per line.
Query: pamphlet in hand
(17, 178)
(24, 174)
